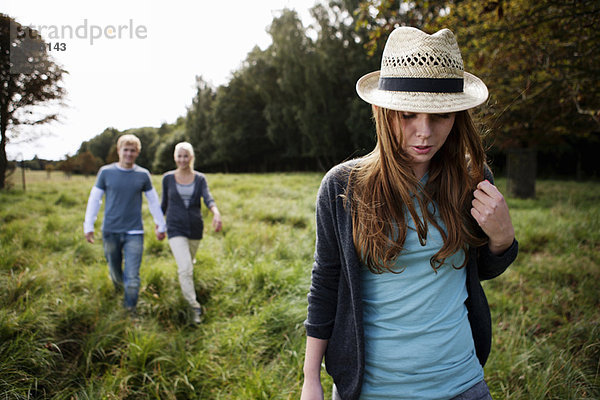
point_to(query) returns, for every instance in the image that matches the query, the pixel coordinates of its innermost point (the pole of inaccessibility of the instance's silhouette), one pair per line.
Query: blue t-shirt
(123, 189)
(418, 342)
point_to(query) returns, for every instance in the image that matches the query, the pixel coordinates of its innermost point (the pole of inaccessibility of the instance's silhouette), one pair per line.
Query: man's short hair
(130, 140)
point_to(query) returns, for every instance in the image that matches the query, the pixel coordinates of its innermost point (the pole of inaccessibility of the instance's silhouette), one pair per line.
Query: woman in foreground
(405, 235)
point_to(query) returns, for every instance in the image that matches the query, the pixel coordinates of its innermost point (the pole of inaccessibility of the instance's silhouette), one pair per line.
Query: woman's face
(423, 135)
(182, 158)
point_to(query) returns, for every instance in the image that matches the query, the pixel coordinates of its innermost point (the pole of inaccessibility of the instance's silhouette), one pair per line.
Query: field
(63, 334)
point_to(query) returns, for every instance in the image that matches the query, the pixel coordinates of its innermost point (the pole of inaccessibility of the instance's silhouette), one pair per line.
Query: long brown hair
(383, 186)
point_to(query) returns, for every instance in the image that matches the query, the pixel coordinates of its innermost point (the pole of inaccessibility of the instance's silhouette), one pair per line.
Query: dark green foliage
(289, 107)
(293, 106)
(540, 60)
(198, 123)
(163, 158)
(240, 136)
(101, 145)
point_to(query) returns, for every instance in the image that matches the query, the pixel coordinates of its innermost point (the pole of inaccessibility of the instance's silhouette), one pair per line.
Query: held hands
(491, 213)
(159, 235)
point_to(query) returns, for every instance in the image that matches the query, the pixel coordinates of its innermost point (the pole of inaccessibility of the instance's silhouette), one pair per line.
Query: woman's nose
(424, 126)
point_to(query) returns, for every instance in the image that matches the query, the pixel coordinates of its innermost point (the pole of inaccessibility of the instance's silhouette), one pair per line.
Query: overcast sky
(133, 63)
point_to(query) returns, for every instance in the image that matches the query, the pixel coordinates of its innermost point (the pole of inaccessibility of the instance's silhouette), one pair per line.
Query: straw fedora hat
(422, 73)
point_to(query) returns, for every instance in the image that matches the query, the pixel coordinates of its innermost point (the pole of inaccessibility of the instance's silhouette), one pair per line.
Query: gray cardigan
(335, 302)
(182, 220)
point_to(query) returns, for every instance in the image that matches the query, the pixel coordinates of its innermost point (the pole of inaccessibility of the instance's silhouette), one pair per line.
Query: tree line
(293, 106)
(540, 60)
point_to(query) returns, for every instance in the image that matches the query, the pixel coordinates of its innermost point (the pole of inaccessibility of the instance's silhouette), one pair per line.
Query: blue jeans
(479, 391)
(119, 247)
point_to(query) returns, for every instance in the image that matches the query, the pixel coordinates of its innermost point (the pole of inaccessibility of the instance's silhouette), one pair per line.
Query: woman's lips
(422, 149)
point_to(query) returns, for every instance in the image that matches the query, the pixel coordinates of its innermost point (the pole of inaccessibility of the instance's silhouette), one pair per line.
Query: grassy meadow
(63, 334)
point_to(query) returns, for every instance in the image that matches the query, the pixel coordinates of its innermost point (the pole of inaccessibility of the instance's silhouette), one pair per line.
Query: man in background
(123, 183)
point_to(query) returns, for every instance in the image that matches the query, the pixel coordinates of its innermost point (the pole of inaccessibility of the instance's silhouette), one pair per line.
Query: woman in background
(182, 191)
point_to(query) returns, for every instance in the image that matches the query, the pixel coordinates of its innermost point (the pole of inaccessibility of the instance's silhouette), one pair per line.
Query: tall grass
(63, 334)
(547, 306)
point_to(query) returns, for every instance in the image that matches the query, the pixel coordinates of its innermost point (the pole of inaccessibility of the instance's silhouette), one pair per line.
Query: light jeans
(119, 249)
(184, 251)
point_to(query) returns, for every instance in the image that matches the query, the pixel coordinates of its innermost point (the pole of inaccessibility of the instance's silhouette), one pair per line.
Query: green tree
(313, 113)
(35, 164)
(100, 145)
(168, 136)
(198, 125)
(49, 168)
(240, 129)
(380, 17)
(86, 163)
(150, 140)
(104, 145)
(284, 88)
(335, 119)
(163, 157)
(68, 166)
(28, 77)
(541, 61)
